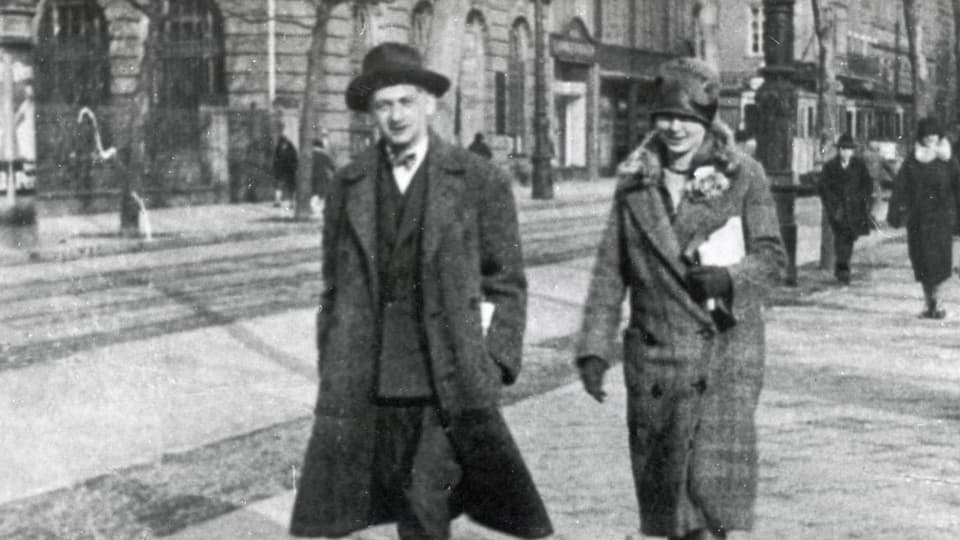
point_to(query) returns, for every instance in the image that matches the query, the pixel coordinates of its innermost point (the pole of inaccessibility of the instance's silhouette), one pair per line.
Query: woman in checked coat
(693, 373)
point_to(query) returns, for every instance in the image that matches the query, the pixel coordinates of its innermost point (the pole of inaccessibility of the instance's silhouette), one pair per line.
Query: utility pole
(777, 101)
(542, 175)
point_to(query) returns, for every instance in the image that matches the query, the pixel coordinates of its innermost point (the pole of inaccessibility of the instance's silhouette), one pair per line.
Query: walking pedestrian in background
(479, 147)
(420, 325)
(926, 194)
(693, 380)
(746, 142)
(846, 192)
(285, 163)
(322, 171)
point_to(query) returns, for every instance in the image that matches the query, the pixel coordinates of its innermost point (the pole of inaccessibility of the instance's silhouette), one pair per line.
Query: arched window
(191, 55)
(471, 92)
(421, 23)
(72, 55)
(520, 66)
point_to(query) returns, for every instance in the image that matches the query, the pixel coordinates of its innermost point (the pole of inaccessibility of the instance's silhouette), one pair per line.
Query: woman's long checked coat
(692, 390)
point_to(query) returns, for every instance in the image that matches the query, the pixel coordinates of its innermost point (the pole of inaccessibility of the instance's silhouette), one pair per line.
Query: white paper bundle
(725, 246)
(486, 315)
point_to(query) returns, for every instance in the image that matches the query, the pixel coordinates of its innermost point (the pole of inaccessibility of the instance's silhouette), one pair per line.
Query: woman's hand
(592, 369)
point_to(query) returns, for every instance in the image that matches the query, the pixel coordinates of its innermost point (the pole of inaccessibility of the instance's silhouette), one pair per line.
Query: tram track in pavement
(49, 318)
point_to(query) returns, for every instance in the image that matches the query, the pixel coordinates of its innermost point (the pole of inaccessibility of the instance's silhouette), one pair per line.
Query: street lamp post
(540, 160)
(777, 103)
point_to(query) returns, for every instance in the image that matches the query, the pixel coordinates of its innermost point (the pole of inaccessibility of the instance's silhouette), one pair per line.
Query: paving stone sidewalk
(858, 424)
(69, 237)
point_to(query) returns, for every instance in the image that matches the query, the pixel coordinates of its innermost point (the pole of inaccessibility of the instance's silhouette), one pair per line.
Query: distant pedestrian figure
(693, 379)
(479, 147)
(846, 191)
(926, 194)
(285, 163)
(323, 169)
(746, 142)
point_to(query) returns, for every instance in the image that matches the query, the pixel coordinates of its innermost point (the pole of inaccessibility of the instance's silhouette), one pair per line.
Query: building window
(519, 67)
(191, 55)
(73, 54)
(755, 43)
(500, 102)
(472, 98)
(421, 23)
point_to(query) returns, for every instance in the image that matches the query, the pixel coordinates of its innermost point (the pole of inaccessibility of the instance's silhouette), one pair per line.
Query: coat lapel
(361, 210)
(444, 189)
(648, 211)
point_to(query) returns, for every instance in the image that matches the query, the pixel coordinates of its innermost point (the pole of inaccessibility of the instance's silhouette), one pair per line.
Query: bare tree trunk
(308, 112)
(956, 52)
(706, 13)
(910, 21)
(826, 113)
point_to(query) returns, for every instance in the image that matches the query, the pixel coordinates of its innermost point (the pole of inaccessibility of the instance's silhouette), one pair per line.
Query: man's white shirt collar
(403, 175)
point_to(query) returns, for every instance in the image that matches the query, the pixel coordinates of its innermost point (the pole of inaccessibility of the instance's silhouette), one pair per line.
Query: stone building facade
(227, 70)
(872, 67)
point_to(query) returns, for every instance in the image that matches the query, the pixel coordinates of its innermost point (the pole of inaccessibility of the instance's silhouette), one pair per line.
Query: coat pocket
(658, 381)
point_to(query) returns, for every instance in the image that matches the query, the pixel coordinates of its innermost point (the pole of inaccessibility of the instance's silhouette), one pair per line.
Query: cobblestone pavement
(859, 417)
(53, 310)
(858, 427)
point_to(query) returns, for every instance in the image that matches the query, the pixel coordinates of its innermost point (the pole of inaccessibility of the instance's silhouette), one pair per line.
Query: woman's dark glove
(709, 282)
(592, 369)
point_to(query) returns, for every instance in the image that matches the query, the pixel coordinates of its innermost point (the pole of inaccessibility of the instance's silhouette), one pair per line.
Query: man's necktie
(404, 161)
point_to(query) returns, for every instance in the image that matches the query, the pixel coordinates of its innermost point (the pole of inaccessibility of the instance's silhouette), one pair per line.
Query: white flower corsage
(707, 183)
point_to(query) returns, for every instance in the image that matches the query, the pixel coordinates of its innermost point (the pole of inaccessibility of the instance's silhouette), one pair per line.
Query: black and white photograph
(479, 269)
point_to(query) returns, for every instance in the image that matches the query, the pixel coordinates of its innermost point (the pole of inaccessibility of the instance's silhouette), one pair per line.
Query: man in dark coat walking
(420, 324)
(846, 190)
(285, 162)
(479, 147)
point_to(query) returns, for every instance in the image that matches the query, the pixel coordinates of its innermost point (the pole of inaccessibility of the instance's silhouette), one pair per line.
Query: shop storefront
(574, 91)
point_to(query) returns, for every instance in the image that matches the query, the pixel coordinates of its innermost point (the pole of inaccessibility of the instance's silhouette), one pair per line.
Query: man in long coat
(693, 378)
(846, 190)
(420, 324)
(926, 199)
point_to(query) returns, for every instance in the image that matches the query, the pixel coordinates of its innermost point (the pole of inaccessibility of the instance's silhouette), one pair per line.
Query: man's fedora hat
(389, 64)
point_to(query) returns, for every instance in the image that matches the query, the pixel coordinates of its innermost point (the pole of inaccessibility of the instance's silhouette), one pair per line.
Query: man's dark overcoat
(847, 195)
(470, 253)
(691, 390)
(925, 198)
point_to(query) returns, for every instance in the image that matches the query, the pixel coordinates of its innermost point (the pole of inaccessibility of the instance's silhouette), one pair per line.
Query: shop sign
(572, 50)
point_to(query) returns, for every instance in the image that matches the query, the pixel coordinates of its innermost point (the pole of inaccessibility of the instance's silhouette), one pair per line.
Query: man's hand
(708, 282)
(592, 369)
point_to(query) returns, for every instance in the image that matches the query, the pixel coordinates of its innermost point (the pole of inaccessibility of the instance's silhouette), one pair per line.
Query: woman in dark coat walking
(693, 373)
(926, 195)
(846, 190)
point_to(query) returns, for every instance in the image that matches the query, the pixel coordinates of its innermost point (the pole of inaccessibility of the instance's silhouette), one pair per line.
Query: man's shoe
(934, 313)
